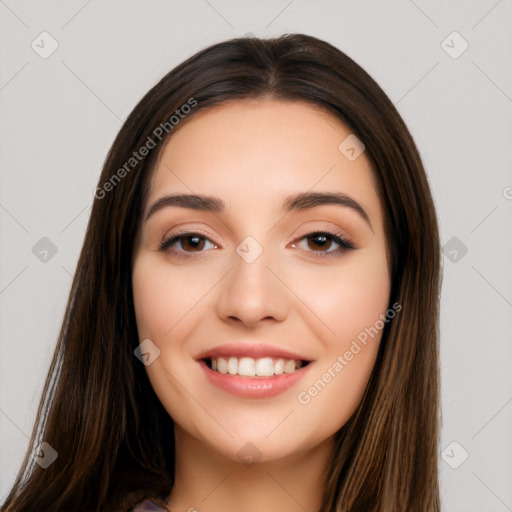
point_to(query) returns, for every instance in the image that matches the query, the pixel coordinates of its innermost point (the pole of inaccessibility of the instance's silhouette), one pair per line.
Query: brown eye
(324, 244)
(182, 244)
(319, 241)
(192, 242)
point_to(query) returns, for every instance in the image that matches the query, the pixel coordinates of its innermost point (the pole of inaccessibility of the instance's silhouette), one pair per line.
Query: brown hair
(98, 410)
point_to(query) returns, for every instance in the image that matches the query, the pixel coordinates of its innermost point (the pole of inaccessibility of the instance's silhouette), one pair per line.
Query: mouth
(253, 370)
(251, 367)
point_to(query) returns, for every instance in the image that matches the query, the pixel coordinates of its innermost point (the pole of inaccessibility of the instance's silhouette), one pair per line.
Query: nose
(251, 293)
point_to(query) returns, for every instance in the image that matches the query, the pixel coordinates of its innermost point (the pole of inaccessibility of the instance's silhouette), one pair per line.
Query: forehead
(250, 151)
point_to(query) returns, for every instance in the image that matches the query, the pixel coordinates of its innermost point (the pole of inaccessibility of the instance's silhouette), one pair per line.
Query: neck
(206, 481)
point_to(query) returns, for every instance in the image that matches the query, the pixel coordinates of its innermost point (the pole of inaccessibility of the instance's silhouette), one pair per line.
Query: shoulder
(149, 505)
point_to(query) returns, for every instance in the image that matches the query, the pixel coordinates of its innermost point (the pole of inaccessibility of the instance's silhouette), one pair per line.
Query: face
(267, 297)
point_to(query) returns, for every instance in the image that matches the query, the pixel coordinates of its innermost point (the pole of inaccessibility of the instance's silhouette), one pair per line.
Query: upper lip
(254, 350)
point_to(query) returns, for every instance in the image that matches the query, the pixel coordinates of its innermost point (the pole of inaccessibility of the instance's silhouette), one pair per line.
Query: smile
(251, 367)
(253, 370)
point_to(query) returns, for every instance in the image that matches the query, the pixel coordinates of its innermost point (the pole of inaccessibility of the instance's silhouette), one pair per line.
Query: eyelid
(327, 227)
(187, 231)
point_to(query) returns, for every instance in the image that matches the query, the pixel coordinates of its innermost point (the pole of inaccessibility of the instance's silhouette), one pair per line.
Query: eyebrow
(301, 201)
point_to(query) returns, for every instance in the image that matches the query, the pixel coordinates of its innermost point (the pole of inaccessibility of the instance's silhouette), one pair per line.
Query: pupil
(321, 240)
(197, 242)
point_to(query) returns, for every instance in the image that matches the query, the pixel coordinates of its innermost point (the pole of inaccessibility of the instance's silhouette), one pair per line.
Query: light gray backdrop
(72, 71)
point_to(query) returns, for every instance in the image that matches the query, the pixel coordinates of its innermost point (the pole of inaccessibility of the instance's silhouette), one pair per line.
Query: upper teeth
(249, 367)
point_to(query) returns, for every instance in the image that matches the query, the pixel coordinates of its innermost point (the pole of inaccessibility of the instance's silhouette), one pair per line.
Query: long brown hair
(98, 410)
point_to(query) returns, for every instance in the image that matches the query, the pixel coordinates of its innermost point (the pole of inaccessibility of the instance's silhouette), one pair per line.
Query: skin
(252, 154)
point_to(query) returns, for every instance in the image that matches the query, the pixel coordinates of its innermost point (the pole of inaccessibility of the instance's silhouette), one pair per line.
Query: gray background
(61, 113)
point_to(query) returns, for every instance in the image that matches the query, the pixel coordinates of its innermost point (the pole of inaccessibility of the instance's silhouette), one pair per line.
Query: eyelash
(344, 243)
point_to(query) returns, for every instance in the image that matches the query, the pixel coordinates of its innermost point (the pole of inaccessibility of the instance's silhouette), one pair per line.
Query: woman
(253, 323)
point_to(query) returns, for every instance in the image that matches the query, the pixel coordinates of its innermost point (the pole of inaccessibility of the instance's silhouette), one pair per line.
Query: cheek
(362, 296)
(152, 300)
(163, 296)
(166, 300)
(350, 303)
(345, 299)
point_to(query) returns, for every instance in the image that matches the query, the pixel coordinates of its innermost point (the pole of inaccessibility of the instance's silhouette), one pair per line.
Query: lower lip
(254, 387)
